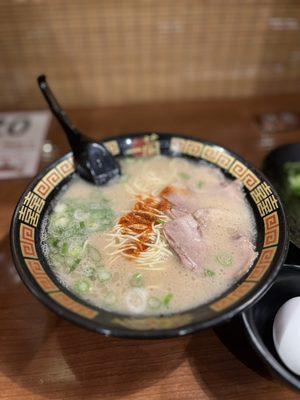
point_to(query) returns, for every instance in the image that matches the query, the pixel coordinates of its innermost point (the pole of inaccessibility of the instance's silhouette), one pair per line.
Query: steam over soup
(167, 236)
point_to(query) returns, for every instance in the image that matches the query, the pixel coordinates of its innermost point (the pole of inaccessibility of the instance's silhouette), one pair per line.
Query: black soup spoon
(93, 161)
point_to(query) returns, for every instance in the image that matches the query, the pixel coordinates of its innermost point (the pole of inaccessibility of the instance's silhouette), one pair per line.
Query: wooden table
(44, 357)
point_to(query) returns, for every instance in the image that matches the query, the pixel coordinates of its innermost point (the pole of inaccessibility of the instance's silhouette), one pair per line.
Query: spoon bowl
(93, 161)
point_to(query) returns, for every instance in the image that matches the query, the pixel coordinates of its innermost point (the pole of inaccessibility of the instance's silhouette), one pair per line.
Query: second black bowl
(259, 320)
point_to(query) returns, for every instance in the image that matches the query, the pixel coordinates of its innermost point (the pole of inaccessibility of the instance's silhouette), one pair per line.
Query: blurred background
(227, 71)
(112, 52)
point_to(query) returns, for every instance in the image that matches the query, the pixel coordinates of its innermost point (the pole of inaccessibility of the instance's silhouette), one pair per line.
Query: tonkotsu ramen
(167, 236)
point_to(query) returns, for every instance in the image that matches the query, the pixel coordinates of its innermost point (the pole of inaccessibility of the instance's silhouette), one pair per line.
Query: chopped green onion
(104, 275)
(110, 298)
(64, 249)
(154, 303)
(82, 224)
(93, 253)
(136, 300)
(200, 184)
(167, 299)
(75, 251)
(90, 272)
(54, 242)
(74, 265)
(224, 259)
(79, 214)
(161, 222)
(93, 226)
(184, 175)
(61, 222)
(209, 273)
(82, 286)
(294, 182)
(292, 170)
(60, 208)
(56, 259)
(136, 280)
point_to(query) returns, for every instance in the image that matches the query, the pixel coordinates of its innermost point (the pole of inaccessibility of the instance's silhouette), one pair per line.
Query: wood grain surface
(43, 356)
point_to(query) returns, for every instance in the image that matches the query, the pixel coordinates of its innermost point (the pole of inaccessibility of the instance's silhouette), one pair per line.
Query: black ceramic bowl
(273, 167)
(259, 319)
(271, 244)
(275, 160)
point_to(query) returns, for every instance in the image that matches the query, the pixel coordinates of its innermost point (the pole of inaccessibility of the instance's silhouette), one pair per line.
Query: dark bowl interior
(271, 243)
(273, 163)
(259, 319)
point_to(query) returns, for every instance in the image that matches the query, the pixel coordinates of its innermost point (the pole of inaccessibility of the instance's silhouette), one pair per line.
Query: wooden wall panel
(122, 51)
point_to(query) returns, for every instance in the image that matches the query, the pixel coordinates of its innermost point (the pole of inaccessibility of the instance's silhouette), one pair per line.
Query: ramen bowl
(271, 241)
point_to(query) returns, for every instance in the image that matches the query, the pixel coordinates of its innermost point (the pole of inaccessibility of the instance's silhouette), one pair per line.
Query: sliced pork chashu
(186, 240)
(191, 238)
(189, 201)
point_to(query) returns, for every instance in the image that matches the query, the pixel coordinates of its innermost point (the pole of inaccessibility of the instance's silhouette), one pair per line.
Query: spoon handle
(74, 136)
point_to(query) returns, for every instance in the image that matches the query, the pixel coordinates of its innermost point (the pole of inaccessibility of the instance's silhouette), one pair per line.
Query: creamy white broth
(80, 242)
